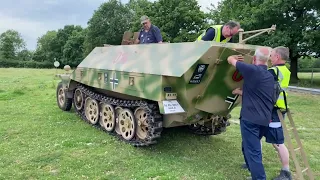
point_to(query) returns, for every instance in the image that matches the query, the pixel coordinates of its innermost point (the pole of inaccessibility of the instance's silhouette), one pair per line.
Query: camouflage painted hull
(185, 84)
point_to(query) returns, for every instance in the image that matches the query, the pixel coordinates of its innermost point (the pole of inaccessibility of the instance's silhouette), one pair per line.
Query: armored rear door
(217, 97)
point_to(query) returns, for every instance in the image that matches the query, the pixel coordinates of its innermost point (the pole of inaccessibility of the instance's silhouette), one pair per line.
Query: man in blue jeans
(275, 135)
(257, 104)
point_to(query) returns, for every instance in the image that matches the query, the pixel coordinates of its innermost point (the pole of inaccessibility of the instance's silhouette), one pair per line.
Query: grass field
(305, 80)
(39, 141)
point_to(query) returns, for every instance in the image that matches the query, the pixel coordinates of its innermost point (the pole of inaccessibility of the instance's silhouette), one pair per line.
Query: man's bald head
(262, 55)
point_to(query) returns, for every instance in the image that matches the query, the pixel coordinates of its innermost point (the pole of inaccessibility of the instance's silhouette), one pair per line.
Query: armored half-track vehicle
(134, 91)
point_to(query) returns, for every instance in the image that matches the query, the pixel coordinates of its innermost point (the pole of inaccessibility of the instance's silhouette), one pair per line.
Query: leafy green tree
(180, 20)
(107, 25)
(11, 43)
(297, 23)
(73, 48)
(139, 8)
(316, 63)
(45, 47)
(62, 37)
(51, 45)
(25, 55)
(312, 35)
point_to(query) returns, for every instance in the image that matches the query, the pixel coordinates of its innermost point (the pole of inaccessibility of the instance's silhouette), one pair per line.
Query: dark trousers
(251, 148)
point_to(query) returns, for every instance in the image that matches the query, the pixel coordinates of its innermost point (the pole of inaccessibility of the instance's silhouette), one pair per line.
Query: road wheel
(127, 124)
(92, 110)
(143, 123)
(78, 99)
(118, 110)
(108, 118)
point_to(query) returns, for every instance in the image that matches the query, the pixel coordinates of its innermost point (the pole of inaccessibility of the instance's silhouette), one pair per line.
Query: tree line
(298, 27)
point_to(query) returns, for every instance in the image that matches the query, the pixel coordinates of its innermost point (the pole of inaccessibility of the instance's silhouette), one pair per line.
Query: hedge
(309, 70)
(28, 64)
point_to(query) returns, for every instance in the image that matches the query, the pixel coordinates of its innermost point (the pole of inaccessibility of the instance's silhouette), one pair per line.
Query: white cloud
(30, 30)
(33, 18)
(206, 3)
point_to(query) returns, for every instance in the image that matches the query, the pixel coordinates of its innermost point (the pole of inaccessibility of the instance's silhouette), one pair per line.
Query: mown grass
(306, 80)
(39, 141)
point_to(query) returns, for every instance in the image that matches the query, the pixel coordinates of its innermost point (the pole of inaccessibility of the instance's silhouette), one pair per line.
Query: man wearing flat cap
(149, 33)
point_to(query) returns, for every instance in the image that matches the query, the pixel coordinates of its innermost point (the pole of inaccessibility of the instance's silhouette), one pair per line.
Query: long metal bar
(261, 31)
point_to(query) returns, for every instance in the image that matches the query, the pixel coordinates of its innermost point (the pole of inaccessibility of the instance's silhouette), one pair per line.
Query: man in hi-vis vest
(275, 136)
(220, 33)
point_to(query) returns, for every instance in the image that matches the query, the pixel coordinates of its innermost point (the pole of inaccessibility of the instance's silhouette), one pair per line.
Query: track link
(214, 127)
(151, 109)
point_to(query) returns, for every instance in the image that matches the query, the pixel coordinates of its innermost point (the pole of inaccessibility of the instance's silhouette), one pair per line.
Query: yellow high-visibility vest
(283, 79)
(217, 34)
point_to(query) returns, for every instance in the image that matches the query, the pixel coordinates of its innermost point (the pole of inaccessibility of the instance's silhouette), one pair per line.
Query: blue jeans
(251, 148)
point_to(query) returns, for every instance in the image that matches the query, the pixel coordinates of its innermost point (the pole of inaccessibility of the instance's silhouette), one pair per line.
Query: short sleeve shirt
(152, 36)
(257, 93)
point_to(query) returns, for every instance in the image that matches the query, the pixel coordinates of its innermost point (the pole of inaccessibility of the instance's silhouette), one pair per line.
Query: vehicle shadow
(181, 141)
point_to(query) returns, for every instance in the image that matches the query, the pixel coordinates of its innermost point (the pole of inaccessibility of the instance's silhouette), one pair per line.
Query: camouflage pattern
(195, 74)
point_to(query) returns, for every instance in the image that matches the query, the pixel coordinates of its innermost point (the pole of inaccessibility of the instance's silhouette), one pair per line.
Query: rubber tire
(68, 102)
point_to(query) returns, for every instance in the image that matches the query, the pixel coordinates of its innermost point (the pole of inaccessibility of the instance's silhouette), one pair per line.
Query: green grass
(305, 80)
(39, 141)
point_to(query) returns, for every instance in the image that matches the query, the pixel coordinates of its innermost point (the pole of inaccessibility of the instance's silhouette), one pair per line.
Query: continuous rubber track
(154, 118)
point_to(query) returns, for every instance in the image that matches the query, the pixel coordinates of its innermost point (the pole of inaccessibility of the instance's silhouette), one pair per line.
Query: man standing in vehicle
(257, 104)
(149, 33)
(220, 33)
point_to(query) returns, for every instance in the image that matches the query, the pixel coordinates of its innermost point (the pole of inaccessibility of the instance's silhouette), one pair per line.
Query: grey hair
(283, 52)
(261, 56)
(232, 24)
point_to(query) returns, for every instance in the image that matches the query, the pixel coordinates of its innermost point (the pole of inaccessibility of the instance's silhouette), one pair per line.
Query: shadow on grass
(180, 140)
(9, 95)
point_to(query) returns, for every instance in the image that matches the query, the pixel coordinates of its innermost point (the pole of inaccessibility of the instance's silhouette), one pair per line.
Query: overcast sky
(33, 18)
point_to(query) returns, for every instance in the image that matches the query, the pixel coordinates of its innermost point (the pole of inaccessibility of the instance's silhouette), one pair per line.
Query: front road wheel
(64, 103)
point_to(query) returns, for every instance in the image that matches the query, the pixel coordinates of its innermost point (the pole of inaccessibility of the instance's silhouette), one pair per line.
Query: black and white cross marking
(114, 81)
(231, 100)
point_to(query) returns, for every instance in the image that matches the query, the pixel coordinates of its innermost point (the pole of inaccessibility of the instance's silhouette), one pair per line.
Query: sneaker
(284, 175)
(244, 166)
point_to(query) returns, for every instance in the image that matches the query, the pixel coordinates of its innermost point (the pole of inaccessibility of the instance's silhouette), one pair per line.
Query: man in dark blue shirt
(149, 33)
(220, 33)
(256, 110)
